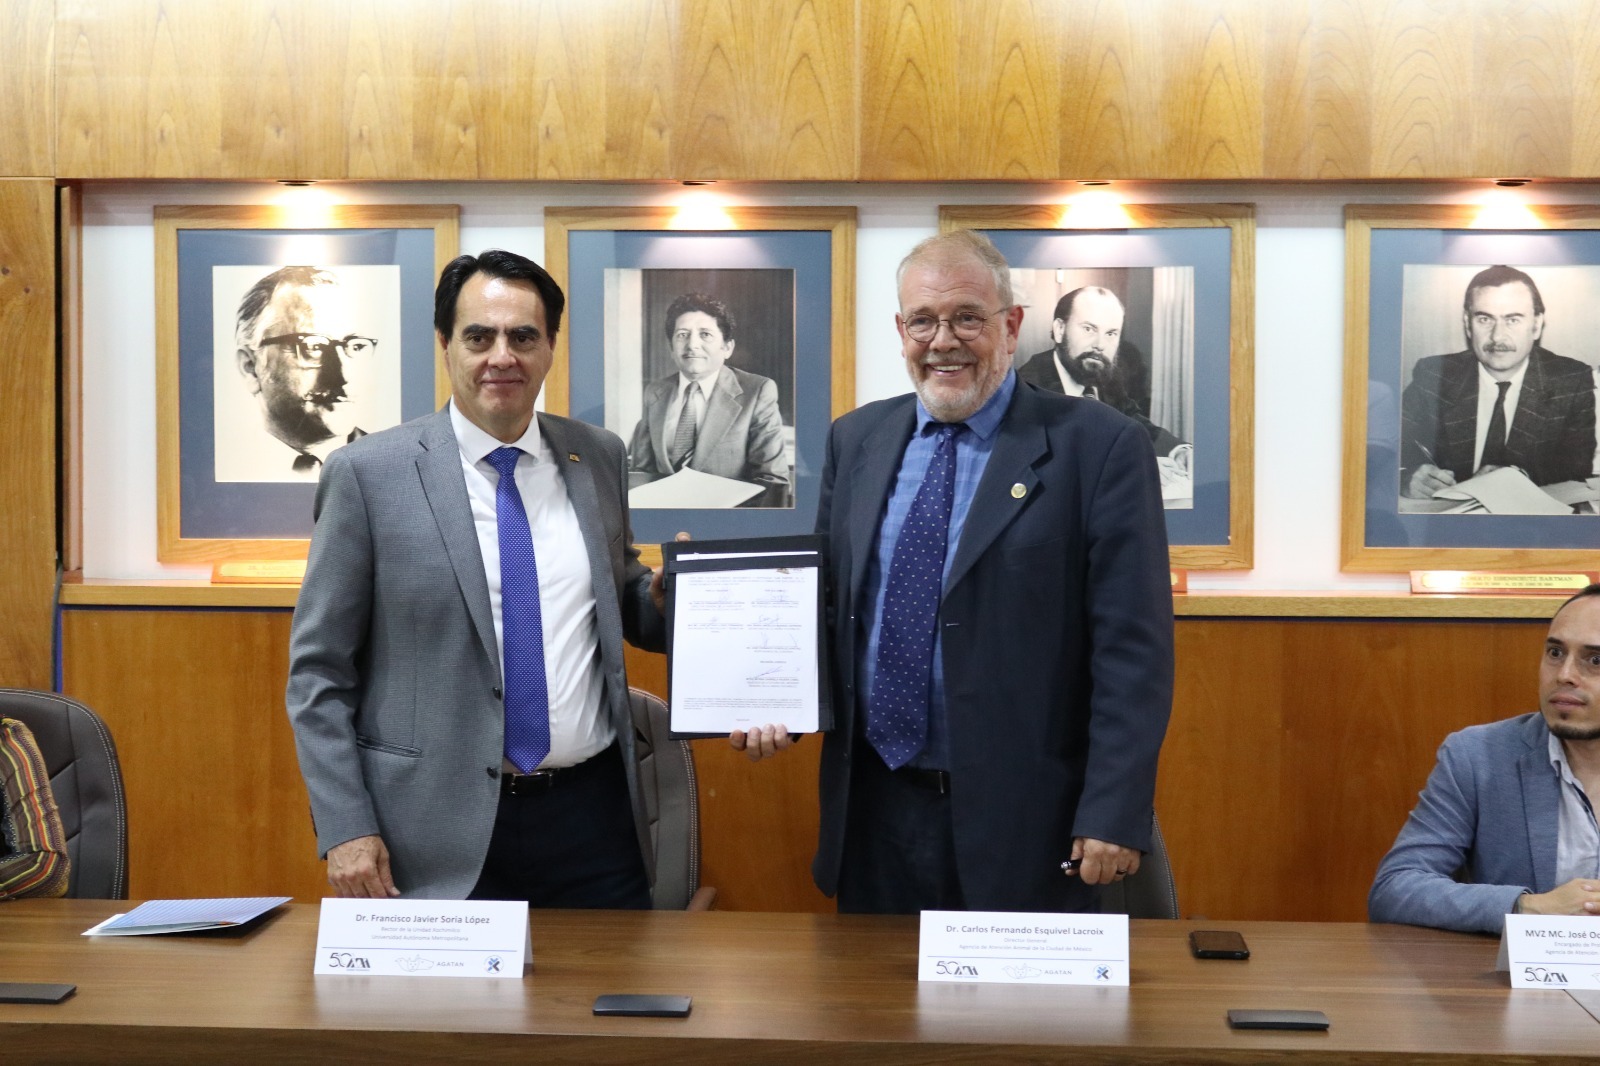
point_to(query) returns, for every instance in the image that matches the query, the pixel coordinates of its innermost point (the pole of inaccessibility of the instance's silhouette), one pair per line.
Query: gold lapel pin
(574, 457)
(1018, 491)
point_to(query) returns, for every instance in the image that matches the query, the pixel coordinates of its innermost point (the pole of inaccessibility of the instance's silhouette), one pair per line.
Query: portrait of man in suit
(1503, 401)
(709, 416)
(1000, 621)
(304, 349)
(456, 681)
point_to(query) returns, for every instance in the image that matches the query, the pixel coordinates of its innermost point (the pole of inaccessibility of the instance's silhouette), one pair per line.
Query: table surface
(766, 987)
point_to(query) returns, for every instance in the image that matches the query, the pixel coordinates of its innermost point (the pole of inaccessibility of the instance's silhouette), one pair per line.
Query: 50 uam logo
(955, 969)
(343, 960)
(1543, 976)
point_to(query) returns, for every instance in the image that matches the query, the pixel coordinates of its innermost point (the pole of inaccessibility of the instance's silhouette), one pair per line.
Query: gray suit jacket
(1489, 810)
(394, 667)
(741, 436)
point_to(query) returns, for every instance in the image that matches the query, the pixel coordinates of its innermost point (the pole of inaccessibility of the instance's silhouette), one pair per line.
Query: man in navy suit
(1505, 401)
(1509, 808)
(1040, 712)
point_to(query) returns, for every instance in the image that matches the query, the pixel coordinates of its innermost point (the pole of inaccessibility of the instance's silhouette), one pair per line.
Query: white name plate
(1040, 949)
(1553, 952)
(422, 938)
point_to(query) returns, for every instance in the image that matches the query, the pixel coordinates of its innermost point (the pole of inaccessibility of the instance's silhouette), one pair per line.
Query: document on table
(186, 916)
(745, 646)
(692, 489)
(1505, 490)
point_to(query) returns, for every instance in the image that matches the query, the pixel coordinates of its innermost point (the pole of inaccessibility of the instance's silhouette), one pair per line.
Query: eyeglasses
(310, 349)
(966, 325)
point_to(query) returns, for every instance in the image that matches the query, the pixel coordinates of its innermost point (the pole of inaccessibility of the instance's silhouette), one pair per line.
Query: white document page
(1505, 491)
(692, 489)
(744, 650)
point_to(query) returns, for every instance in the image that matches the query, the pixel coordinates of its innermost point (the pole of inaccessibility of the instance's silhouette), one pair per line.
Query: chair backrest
(1150, 892)
(86, 781)
(672, 801)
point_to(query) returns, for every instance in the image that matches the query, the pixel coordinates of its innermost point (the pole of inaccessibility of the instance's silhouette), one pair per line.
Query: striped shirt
(33, 846)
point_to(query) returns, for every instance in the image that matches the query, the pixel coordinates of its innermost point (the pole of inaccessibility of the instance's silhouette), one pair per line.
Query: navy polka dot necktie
(897, 714)
(527, 691)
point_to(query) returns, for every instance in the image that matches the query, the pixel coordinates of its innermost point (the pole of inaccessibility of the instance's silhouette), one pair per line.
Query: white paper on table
(1506, 490)
(1023, 948)
(422, 938)
(744, 650)
(692, 489)
(1545, 951)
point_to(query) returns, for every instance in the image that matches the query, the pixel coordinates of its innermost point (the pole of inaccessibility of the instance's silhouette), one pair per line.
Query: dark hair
(256, 300)
(497, 263)
(1586, 591)
(1496, 276)
(1064, 305)
(699, 301)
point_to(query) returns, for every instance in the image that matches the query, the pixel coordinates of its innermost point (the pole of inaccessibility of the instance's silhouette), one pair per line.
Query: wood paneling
(27, 78)
(27, 428)
(513, 89)
(1296, 750)
(194, 700)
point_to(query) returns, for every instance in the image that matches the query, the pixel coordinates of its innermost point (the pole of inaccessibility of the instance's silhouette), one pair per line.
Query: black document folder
(701, 557)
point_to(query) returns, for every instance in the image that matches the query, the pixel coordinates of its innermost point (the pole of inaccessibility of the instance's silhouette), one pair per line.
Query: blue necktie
(522, 633)
(897, 714)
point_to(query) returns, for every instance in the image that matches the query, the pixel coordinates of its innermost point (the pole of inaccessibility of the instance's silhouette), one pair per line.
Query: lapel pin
(1018, 491)
(574, 457)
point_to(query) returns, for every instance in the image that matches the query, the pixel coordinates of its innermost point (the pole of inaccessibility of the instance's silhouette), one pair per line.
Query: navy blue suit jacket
(1057, 634)
(1490, 811)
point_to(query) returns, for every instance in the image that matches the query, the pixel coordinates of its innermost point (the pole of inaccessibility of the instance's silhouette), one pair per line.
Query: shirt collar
(986, 421)
(1558, 761)
(684, 381)
(1488, 383)
(476, 443)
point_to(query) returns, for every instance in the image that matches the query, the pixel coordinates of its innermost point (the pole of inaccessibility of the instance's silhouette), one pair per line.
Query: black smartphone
(1217, 944)
(28, 992)
(1277, 1019)
(643, 1006)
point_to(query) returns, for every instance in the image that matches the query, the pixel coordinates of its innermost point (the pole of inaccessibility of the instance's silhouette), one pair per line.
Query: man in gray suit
(1509, 805)
(709, 416)
(456, 679)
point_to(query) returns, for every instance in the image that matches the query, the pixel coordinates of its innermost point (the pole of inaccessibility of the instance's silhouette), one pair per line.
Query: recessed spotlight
(1093, 184)
(698, 182)
(295, 183)
(1512, 183)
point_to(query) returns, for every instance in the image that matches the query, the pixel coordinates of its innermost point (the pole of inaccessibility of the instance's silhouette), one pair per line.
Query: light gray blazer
(1489, 810)
(394, 668)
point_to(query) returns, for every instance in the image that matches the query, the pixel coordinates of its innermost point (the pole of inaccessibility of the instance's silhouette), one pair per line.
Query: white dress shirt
(578, 729)
(1488, 395)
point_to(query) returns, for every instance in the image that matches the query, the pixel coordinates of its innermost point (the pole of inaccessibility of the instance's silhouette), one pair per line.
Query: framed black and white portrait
(1154, 320)
(277, 344)
(1470, 419)
(720, 357)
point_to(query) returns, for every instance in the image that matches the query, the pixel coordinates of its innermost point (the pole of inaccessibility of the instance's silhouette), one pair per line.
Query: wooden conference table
(767, 988)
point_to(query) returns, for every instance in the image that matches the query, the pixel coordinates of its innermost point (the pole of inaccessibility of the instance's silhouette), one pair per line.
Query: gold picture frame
(1383, 242)
(1217, 532)
(207, 515)
(817, 244)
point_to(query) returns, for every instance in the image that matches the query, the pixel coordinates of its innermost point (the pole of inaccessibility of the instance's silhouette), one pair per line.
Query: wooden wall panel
(194, 700)
(27, 80)
(27, 429)
(1295, 752)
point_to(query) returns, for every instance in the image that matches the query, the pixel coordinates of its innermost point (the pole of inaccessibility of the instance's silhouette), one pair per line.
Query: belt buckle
(527, 784)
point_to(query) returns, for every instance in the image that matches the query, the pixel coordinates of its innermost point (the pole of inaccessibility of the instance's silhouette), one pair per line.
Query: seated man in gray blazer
(1508, 807)
(456, 680)
(709, 416)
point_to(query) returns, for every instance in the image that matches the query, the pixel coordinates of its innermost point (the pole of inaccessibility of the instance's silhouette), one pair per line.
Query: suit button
(493, 773)
(496, 691)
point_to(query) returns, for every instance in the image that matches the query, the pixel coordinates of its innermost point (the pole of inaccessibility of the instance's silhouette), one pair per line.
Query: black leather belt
(936, 780)
(541, 781)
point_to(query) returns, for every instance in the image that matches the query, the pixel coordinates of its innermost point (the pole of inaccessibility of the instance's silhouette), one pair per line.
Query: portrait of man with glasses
(306, 349)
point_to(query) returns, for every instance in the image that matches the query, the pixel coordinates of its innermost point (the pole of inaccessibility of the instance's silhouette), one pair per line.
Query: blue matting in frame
(1208, 250)
(1392, 250)
(809, 253)
(271, 510)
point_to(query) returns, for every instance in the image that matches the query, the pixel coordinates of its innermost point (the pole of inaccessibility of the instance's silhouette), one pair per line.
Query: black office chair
(1149, 893)
(672, 801)
(86, 781)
